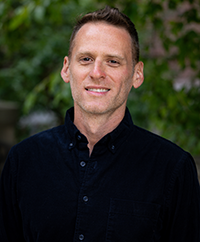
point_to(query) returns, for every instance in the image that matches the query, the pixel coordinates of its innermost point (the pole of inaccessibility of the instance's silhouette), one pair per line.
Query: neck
(96, 126)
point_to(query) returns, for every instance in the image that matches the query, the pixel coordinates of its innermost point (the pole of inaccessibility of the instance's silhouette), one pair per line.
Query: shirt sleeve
(183, 204)
(10, 218)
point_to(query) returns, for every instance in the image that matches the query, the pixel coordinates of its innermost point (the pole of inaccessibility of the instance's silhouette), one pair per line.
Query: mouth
(98, 90)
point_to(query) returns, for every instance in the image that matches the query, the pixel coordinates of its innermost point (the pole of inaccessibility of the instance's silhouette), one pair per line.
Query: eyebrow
(83, 53)
(107, 56)
(116, 56)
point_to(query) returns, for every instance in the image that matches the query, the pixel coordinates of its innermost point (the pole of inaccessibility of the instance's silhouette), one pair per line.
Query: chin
(95, 109)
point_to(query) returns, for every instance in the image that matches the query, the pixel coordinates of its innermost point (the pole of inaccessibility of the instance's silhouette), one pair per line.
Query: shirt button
(82, 163)
(85, 199)
(71, 145)
(112, 147)
(81, 237)
(79, 137)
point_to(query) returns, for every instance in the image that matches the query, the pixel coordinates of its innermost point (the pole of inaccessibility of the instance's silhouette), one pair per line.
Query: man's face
(100, 70)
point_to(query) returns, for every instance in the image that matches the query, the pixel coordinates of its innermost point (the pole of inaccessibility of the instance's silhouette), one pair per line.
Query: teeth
(97, 90)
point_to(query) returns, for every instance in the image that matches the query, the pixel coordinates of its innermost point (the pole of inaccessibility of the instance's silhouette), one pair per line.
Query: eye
(113, 62)
(85, 60)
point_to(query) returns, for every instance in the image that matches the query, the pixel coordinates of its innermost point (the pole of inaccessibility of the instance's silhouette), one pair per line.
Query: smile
(97, 90)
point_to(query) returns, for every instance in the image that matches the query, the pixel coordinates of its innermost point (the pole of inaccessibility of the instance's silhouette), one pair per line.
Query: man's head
(113, 17)
(103, 64)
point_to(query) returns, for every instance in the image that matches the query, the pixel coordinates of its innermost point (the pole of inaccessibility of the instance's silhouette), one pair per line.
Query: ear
(138, 76)
(65, 70)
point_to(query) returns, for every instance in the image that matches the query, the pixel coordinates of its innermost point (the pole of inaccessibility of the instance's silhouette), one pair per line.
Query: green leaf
(21, 17)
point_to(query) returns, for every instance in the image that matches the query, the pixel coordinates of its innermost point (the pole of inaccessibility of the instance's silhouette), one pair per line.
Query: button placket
(85, 165)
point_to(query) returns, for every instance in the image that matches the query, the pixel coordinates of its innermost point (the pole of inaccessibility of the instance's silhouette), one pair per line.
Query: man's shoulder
(158, 144)
(45, 138)
(164, 156)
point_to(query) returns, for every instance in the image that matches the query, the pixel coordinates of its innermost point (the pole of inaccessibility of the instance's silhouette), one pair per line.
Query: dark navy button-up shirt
(135, 186)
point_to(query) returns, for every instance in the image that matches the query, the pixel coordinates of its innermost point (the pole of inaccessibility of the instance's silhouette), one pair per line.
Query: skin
(101, 75)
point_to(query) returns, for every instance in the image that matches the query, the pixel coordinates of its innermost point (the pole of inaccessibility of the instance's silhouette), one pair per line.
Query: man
(99, 177)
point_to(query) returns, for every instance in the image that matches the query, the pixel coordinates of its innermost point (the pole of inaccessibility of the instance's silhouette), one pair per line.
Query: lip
(97, 90)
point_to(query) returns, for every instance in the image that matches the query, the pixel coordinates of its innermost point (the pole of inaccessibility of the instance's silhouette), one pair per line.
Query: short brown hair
(111, 16)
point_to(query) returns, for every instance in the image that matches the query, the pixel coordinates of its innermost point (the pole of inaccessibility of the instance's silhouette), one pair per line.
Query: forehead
(101, 35)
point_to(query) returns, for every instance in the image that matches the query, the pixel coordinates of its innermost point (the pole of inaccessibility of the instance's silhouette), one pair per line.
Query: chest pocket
(131, 221)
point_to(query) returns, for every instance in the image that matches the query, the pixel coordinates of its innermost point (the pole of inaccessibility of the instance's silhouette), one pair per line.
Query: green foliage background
(34, 38)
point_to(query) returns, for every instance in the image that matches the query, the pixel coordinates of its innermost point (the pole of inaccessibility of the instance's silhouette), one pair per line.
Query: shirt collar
(112, 139)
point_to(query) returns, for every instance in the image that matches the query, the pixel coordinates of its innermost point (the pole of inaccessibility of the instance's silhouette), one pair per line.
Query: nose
(97, 71)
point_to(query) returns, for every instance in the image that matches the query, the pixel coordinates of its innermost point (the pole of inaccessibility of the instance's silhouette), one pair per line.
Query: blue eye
(114, 62)
(86, 59)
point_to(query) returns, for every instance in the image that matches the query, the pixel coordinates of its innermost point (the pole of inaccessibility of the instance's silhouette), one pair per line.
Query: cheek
(73, 86)
(78, 76)
(125, 83)
(74, 80)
